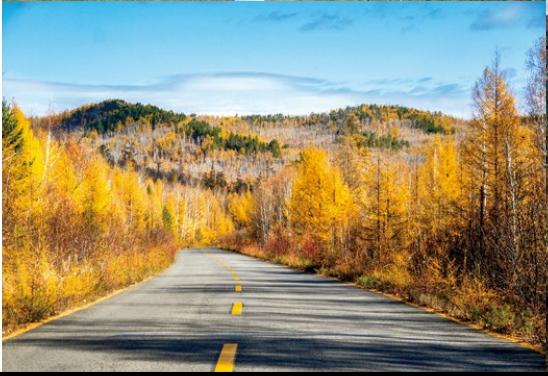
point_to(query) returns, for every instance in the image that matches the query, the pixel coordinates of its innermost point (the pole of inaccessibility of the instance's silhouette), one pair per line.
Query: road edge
(536, 348)
(35, 325)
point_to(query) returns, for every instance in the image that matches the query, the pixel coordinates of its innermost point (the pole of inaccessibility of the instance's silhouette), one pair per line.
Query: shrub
(79, 283)
(367, 281)
(311, 248)
(345, 268)
(500, 318)
(278, 243)
(32, 291)
(396, 274)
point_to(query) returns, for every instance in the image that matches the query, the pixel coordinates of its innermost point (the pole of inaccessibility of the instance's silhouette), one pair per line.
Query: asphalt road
(290, 321)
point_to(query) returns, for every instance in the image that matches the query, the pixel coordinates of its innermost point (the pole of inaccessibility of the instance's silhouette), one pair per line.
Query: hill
(114, 115)
(226, 151)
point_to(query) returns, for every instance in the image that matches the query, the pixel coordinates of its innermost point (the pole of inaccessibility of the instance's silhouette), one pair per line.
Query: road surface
(287, 321)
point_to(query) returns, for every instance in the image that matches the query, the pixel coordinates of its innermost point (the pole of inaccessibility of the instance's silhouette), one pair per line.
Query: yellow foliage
(76, 227)
(80, 282)
(384, 206)
(170, 219)
(33, 289)
(131, 194)
(440, 184)
(394, 132)
(396, 273)
(155, 203)
(33, 160)
(241, 208)
(167, 142)
(321, 203)
(95, 192)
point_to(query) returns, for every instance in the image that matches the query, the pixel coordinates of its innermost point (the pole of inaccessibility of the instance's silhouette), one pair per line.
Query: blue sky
(259, 57)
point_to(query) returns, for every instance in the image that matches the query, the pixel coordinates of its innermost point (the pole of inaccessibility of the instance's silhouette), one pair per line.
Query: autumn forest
(443, 212)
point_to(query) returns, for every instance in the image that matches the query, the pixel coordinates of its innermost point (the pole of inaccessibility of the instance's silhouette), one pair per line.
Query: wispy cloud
(276, 16)
(424, 12)
(308, 21)
(327, 21)
(226, 93)
(508, 15)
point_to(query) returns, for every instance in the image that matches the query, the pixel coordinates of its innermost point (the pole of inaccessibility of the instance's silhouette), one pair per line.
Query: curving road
(289, 321)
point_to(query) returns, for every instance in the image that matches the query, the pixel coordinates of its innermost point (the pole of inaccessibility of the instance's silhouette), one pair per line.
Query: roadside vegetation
(457, 223)
(443, 212)
(75, 228)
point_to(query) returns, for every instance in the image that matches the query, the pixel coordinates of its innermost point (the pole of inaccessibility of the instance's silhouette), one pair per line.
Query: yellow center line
(226, 358)
(226, 266)
(237, 308)
(238, 288)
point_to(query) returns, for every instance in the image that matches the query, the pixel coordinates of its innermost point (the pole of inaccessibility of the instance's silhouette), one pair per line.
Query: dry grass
(470, 302)
(35, 290)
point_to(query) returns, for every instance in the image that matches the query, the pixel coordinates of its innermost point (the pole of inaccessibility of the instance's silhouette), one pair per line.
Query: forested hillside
(444, 212)
(233, 152)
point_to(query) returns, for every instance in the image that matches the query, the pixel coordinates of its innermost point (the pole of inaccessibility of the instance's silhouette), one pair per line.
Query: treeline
(211, 137)
(173, 155)
(74, 228)
(351, 119)
(115, 115)
(458, 225)
(385, 141)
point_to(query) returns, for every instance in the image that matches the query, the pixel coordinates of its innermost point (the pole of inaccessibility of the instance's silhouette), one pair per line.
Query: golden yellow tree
(384, 211)
(321, 204)
(497, 153)
(241, 208)
(441, 189)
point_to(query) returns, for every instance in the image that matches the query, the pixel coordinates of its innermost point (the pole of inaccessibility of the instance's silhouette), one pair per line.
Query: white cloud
(243, 93)
(508, 15)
